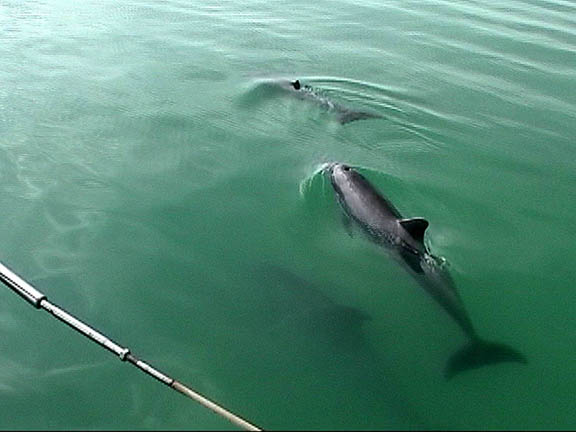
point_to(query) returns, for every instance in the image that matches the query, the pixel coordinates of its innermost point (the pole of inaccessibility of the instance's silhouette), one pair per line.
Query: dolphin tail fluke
(480, 353)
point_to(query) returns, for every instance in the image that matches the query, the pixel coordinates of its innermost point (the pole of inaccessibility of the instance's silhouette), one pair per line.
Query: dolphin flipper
(480, 353)
(347, 222)
(346, 219)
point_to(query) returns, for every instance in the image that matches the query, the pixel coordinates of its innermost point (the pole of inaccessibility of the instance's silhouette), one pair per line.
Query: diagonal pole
(39, 300)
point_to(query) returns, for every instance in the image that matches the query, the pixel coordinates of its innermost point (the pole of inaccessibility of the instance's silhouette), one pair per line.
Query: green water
(157, 182)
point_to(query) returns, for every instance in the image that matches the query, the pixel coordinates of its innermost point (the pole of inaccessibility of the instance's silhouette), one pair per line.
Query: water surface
(155, 184)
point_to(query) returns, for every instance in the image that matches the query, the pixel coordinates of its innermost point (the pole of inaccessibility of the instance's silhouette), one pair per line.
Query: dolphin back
(481, 353)
(347, 116)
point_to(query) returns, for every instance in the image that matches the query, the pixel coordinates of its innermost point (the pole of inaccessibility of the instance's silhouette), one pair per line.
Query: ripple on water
(149, 156)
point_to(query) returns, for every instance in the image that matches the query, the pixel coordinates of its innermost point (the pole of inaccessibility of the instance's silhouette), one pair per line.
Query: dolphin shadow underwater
(404, 239)
(305, 334)
(298, 303)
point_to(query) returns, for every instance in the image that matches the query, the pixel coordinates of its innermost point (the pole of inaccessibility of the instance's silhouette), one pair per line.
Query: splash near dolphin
(404, 238)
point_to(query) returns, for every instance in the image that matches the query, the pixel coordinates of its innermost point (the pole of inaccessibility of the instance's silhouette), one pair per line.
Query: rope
(39, 300)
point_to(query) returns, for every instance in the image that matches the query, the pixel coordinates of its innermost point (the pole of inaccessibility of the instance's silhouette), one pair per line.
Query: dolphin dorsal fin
(415, 227)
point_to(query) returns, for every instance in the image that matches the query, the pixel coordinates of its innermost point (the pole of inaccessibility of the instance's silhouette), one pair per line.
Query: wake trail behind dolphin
(269, 89)
(344, 115)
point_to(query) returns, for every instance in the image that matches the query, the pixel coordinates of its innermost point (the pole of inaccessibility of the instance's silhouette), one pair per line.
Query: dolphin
(299, 302)
(404, 238)
(343, 114)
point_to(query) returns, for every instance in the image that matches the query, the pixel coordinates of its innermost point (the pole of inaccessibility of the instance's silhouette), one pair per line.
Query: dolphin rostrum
(404, 238)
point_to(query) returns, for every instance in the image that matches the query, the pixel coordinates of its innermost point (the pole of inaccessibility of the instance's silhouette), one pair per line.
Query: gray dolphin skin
(404, 238)
(343, 114)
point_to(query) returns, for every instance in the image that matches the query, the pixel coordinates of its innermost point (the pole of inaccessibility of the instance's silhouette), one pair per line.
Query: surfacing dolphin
(404, 238)
(343, 114)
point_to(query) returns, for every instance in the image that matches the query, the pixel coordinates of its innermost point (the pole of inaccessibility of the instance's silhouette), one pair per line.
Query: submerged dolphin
(343, 114)
(362, 204)
(299, 302)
